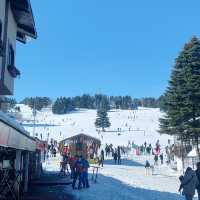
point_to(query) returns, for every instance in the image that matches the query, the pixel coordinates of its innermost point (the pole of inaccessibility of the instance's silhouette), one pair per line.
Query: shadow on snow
(124, 162)
(108, 188)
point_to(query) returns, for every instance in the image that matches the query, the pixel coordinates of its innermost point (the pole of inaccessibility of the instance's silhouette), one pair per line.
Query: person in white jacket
(189, 183)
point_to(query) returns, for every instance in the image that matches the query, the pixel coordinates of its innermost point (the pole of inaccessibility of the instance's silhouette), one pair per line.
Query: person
(54, 152)
(115, 157)
(189, 183)
(64, 164)
(147, 167)
(78, 173)
(107, 150)
(161, 158)
(119, 155)
(145, 147)
(156, 159)
(102, 158)
(85, 181)
(72, 161)
(198, 177)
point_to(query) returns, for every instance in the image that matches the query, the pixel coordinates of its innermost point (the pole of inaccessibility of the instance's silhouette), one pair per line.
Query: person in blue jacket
(85, 181)
(78, 170)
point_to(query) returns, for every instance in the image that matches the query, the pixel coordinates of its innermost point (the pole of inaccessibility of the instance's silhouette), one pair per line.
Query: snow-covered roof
(13, 123)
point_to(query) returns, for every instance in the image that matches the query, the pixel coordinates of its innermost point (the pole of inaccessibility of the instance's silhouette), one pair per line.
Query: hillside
(142, 123)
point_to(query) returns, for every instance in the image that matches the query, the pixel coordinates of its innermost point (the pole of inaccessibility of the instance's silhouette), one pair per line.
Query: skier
(189, 183)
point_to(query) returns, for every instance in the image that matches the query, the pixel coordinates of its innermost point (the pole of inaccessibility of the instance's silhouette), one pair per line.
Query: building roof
(25, 20)
(13, 135)
(79, 137)
(14, 124)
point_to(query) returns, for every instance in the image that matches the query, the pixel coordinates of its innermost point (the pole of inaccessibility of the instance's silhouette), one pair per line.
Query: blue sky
(110, 46)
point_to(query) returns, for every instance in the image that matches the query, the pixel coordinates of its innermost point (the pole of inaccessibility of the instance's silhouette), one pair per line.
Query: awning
(12, 135)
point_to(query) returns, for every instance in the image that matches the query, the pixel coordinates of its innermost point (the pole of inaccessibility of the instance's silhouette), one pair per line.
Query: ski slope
(139, 125)
(124, 182)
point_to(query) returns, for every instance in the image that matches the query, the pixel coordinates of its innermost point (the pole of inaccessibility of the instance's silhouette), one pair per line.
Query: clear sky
(116, 47)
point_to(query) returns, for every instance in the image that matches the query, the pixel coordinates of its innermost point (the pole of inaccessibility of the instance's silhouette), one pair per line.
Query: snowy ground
(143, 124)
(128, 182)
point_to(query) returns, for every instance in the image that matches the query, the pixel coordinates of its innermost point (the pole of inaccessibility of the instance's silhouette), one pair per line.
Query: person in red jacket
(72, 161)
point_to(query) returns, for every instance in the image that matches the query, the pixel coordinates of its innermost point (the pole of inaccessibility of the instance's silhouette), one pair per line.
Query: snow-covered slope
(139, 125)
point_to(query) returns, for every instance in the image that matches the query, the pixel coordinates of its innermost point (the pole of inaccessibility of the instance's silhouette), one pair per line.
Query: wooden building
(81, 144)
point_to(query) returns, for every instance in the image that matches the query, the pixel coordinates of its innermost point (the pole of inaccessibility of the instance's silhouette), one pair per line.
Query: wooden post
(26, 160)
(18, 168)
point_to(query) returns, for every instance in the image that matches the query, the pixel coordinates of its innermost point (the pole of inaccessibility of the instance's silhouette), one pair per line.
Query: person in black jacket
(198, 176)
(119, 155)
(115, 157)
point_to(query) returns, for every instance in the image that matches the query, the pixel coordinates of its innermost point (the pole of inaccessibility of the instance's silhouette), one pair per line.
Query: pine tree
(102, 120)
(182, 97)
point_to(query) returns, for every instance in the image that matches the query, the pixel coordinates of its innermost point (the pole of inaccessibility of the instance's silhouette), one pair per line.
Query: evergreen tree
(63, 105)
(182, 97)
(102, 120)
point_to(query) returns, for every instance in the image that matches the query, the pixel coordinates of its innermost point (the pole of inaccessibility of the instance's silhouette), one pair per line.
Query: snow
(143, 124)
(128, 181)
(12, 122)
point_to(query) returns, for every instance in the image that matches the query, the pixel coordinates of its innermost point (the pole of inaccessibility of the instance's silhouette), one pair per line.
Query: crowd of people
(189, 182)
(116, 153)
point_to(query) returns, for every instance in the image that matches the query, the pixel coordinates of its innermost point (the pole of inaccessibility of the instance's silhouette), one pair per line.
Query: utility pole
(34, 117)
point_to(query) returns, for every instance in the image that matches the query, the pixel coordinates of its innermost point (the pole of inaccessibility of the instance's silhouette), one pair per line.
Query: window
(11, 57)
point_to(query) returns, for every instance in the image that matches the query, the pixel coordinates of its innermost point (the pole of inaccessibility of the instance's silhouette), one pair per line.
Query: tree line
(63, 105)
